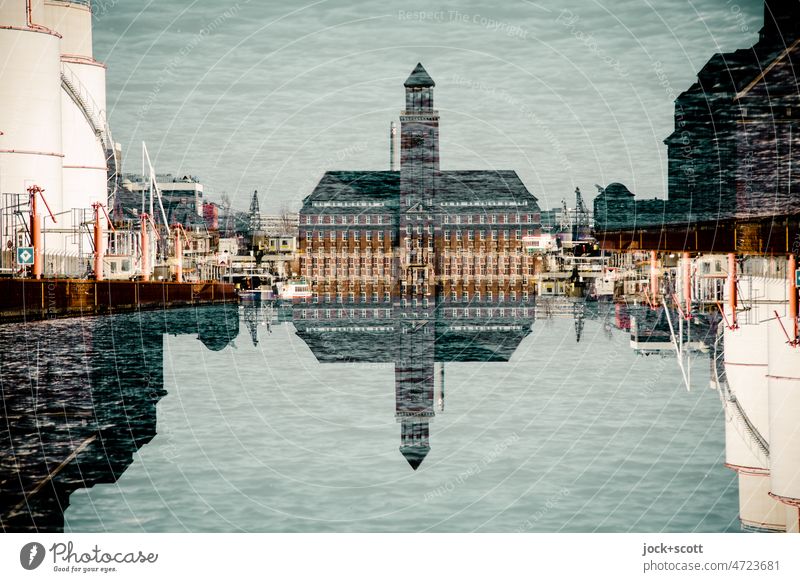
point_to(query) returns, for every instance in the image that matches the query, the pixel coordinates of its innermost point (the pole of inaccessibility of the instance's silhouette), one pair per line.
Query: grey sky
(268, 95)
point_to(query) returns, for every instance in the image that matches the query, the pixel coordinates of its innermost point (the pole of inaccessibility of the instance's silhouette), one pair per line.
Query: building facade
(419, 235)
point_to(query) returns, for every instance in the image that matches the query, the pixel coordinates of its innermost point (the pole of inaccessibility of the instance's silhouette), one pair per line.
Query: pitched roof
(463, 188)
(419, 77)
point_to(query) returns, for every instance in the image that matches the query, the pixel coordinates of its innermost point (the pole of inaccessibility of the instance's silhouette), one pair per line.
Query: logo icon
(31, 555)
(25, 255)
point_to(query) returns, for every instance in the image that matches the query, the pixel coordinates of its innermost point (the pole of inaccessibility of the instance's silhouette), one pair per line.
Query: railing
(96, 118)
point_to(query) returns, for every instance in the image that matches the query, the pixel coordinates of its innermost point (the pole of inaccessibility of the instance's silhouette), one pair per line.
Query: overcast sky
(270, 94)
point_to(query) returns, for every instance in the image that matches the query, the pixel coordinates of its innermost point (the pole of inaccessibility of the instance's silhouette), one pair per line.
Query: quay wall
(30, 299)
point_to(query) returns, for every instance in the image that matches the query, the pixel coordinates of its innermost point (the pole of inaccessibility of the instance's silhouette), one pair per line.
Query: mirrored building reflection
(417, 266)
(414, 340)
(80, 399)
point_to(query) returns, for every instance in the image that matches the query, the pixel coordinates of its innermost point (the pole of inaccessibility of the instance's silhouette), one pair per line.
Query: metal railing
(96, 117)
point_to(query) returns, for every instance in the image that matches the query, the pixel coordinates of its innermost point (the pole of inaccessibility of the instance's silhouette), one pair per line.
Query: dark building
(732, 149)
(420, 234)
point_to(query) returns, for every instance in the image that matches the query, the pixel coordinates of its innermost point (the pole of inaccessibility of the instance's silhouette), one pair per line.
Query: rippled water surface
(565, 436)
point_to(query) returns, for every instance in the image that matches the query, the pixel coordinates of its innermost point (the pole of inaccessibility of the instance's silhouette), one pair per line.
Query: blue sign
(24, 255)
(797, 278)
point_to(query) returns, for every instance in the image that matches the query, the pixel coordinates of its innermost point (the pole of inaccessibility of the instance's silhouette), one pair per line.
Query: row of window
(347, 203)
(448, 234)
(484, 218)
(346, 219)
(458, 234)
(344, 235)
(387, 313)
(485, 203)
(490, 218)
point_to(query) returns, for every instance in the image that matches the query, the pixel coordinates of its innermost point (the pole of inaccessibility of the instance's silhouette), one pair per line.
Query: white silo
(85, 136)
(747, 427)
(784, 412)
(30, 102)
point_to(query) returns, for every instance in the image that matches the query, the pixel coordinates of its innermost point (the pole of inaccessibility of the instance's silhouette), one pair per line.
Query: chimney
(392, 142)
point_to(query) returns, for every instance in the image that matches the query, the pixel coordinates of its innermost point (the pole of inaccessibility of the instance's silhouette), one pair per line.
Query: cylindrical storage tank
(85, 169)
(73, 21)
(83, 108)
(784, 412)
(30, 108)
(746, 371)
(757, 510)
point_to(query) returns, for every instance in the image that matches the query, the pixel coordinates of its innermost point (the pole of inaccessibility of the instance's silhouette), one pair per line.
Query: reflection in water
(414, 339)
(80, 399)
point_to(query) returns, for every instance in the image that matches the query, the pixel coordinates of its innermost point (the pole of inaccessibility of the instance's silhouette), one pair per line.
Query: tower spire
(419, 141)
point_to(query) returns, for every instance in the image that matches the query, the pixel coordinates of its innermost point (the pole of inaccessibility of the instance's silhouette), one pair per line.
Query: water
(565, 436)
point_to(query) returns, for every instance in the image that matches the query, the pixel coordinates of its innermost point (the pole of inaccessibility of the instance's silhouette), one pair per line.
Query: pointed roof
(415, 455)
(419, 77)
(254, 207)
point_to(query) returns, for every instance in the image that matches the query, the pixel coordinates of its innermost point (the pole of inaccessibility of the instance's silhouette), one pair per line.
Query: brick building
(419, 235)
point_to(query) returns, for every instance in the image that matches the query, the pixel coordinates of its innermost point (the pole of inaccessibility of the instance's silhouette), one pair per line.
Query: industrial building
(54, 132)
(730, 154)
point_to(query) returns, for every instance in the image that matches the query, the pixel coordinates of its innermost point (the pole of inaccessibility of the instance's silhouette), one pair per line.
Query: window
(308, 235)
(380, 236)
(380, 219)
(447, 236)
(469, 219)
(465, 296)
(367, 219)
(471, 235)
(387, 296)
(494, 218)
(308, 219)
(518, 234)
(483, 235)
(494, 235)
(355, 235)
(344, 235)
(333, 235)
(458, 235)
(369, 235)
